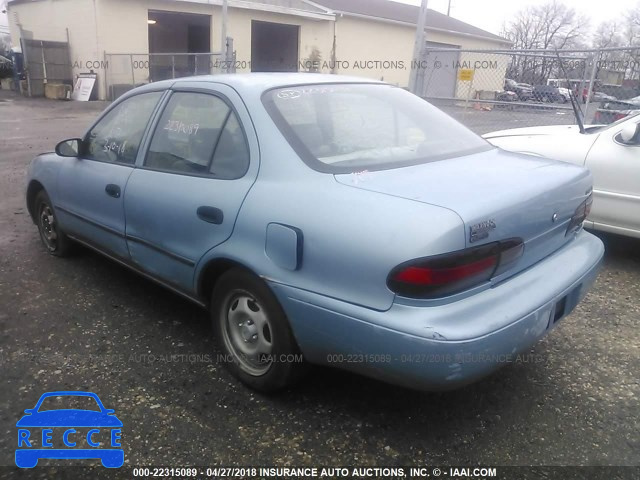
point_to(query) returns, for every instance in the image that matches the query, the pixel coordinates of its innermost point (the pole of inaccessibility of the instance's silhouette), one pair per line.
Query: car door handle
(211, 215)
(112, 190)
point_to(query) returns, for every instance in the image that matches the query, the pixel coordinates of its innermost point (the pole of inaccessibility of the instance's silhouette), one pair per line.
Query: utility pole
(223, 30)
(418, 49)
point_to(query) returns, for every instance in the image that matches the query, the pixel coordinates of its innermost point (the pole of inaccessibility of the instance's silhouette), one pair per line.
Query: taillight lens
(580, 215)
(444, 275)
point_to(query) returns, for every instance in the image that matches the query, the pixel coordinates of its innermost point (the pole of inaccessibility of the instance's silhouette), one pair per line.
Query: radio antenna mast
(576, 109)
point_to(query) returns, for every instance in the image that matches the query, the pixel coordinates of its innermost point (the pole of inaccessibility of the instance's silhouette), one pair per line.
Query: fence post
(133, 73)
(418, 48)
(106, 74)
(44, 66)
(230, 63)
(25, 64)
(594, 69)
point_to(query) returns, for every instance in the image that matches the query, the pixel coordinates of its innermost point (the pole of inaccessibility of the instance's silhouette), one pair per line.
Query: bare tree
(631, 36)
(5, 44)
(608, 34)
(549, 26)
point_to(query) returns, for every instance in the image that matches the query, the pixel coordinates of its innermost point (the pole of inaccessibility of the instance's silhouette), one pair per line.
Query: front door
(90, 204)
(184, 198)
(616, 186)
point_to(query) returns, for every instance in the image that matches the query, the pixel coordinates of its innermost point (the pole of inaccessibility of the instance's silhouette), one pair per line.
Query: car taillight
(444, 275)
(580, 215)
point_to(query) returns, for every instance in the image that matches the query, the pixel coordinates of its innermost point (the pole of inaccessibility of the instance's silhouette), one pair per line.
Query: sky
(491, 14)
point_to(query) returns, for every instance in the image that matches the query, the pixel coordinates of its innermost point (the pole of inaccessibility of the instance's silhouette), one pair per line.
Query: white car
(566, 94)
(611, 152)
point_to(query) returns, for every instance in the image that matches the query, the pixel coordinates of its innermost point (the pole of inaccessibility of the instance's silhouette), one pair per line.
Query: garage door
(440, 74)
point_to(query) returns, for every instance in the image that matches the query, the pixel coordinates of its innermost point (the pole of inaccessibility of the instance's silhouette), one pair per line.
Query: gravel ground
(84, 323)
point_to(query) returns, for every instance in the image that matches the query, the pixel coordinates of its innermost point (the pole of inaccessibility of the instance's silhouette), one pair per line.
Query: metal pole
(449, 9)
(418, 48)
(596, 59)
(25, 62)
(133, 72)
(223, 40)
(44, 65)
(106, 73)
(173, 66)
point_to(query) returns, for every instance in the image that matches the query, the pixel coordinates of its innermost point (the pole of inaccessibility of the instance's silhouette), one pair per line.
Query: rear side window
(199, 134)
(116, 137)
(349, 127)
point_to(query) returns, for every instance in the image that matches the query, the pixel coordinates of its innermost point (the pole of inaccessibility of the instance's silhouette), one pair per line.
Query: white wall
(129, 19)
(120, 26)
(364, 40)
(50, 20)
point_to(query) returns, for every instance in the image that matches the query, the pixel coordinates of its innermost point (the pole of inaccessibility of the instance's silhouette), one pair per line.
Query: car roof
(261, 82)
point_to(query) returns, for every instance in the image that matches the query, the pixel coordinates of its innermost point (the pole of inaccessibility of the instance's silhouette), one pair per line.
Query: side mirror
(629, 134)
(29, 411)
(69, 148)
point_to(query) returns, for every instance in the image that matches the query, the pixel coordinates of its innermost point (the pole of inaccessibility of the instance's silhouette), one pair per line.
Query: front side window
(199, 134)
(350, 127)
(117, 136)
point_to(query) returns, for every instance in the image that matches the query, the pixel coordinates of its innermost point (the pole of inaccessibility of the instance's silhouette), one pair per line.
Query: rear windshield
(345, 128)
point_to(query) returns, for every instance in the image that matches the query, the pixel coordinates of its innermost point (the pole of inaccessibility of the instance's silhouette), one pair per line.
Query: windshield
(354, 127)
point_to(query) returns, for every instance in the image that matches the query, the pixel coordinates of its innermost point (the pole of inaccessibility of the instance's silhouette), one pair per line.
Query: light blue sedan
(326, 220)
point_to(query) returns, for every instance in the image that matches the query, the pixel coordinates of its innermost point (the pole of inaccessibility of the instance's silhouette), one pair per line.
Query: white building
(370, 38)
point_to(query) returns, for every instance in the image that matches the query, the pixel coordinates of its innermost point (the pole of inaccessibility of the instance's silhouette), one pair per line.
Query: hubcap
(48, 227)
(247, 333)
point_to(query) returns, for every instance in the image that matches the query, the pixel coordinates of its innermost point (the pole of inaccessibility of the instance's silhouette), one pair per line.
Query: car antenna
(576, 109)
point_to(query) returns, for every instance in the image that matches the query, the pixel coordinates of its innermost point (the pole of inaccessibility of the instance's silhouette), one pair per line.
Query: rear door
(616, 186)
(90, 203)
(183, 200)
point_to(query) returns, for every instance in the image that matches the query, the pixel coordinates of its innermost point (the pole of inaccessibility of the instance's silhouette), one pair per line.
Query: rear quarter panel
(351, 239)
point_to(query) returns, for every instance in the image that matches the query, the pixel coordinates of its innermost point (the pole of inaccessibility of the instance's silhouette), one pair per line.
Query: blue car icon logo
(86, 431)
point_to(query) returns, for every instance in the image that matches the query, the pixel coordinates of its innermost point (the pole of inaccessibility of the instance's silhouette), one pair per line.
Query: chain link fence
(125, 71)
(490, 90)
(46, 62)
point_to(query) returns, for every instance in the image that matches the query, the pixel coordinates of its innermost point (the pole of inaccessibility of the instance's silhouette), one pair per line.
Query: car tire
(253, 333)
(54, 239)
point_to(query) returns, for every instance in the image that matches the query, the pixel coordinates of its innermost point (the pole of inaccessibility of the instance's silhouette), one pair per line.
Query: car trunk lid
(498, 195)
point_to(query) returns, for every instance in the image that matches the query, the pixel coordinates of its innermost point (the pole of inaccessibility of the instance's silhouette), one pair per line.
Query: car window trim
(217, 142)
(156, 121)
(112, 107)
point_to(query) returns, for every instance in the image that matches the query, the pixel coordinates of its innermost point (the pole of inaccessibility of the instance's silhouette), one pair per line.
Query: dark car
(615, 110)
(523, 90)
(547, 94)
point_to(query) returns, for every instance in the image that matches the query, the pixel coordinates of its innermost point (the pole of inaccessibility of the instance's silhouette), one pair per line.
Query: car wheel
(53, 238)
(253, 332)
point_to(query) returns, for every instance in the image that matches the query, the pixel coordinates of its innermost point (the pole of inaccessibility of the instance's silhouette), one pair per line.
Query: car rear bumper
(446, 346)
